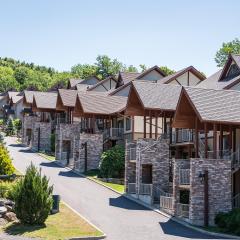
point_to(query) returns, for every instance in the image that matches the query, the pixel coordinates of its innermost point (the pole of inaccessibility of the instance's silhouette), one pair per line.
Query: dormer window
(232, 72)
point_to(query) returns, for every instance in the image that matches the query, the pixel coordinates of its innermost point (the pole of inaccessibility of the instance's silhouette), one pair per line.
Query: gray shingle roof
(216, 105)
(128, 76)
(68, 97)
(45, 100)
(102, 104)
(158, 96)
(29, 96)
(73, 82)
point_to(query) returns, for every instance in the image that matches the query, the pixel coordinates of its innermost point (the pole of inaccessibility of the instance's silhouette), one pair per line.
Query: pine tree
(33, 197)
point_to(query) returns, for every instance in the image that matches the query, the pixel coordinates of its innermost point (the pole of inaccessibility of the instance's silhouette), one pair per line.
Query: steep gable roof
(102, 83)
(156, 68)
(215, 105)
(28, 96)
(68, 97)
(45, 100)
(157, 96)
(177, 74)
(102, 104)
(231, 58)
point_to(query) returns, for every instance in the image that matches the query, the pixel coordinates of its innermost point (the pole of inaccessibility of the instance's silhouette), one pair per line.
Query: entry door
(147, 173)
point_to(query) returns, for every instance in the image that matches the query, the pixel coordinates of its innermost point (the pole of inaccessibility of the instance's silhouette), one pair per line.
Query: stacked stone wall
(219, 189)
(42, 143)
(94, 144)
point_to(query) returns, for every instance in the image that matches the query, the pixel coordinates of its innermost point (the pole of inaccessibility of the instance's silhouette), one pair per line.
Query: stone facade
(27, 129)
(66, 132)
(42, 136)
(154, 153)
(219, 188)
(93, 149)
(70, 139)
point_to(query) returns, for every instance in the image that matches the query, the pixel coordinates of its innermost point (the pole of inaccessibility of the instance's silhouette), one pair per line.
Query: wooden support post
(196, 138)
(206, 140)
(189, 151)
(156, 126)
(170, 133)
(221, 141)
(150, 128)
(214, 141)
(234, 140)
(144, 127)
(94, 125)
(133, 127)
(206, 208)
(230, 138)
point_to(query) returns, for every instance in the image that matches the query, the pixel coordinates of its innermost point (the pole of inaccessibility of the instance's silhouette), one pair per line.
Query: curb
(222, 235)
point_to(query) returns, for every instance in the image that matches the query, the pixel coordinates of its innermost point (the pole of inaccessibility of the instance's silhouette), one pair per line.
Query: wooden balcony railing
(145, 189)
(132, 188)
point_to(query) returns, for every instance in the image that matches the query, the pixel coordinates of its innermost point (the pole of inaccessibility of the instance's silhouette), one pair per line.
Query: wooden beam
(196, 138)
(234, 140)
(214, 141)
(144, 127)
(206, 140)
(206, 204)
(230, 137)
(221, 140)
(150, 125)
(156, 126)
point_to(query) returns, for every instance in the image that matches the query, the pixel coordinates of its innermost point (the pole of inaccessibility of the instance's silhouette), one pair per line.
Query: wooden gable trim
(190, 69)
(156, 68)
(226, 67)
(134, 106)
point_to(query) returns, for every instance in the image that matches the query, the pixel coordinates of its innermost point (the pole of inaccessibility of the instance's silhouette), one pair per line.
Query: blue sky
(62, 33)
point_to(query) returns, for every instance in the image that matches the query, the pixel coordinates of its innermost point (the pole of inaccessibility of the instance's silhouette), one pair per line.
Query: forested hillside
(17, 75)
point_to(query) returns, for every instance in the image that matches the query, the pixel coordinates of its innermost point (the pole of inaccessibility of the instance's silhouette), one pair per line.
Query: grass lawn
(63, 225)
(47, 156)
(92, 174)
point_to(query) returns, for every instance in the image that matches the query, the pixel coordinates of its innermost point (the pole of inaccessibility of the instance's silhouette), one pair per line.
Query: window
(128, 124)
(232, 72)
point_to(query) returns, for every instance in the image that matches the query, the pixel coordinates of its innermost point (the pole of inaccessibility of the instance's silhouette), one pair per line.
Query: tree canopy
(19, 75)
(227, 48)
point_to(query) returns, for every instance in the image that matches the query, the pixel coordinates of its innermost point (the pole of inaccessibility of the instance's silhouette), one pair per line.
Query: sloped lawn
(63, 225)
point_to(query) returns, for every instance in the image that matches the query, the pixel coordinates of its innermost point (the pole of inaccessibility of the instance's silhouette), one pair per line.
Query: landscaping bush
(112, 163)
(6, 166)
(229, 222)
(6, 189)
(33, 197)
(17, 123)
(10, 129)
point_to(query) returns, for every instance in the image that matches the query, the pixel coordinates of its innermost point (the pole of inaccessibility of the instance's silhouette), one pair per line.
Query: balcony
(113, 133)
(182, 136)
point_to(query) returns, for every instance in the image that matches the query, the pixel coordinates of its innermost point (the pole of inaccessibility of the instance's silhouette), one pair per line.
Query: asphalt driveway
(118, 217)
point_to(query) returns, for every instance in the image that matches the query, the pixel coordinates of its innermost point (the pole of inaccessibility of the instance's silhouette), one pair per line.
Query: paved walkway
(118, 217)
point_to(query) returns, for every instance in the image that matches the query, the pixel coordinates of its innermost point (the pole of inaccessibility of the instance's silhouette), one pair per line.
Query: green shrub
(33, 197)
(10, 129)
(112, 163)
(52, 139)
(6, 166)
(6, 189)
(229, 222)
(17, 123)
